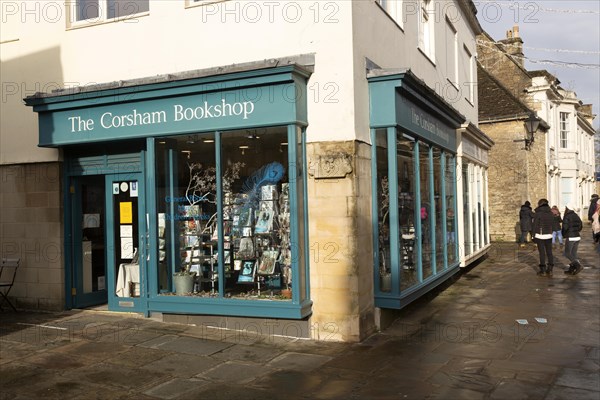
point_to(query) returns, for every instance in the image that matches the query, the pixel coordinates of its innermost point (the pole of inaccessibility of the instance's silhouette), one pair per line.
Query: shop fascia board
(386, 85)
(477, 135)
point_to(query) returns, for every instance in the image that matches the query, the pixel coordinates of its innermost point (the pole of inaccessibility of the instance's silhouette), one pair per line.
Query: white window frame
(564, 129)
(472, 78)
(452, 53)
(196, 3)
(394, 10)
(426, 29)
(72, 14)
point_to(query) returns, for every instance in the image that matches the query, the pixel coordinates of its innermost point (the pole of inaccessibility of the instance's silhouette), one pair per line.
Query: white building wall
(568, 168)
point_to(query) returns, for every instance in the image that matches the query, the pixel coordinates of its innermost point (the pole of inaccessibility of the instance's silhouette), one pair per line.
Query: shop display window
(423, 190)
(427, 212)
(383, 200)
(467, 223)
(451, 228)
(226, 214)
(405, 149)
(438, 201)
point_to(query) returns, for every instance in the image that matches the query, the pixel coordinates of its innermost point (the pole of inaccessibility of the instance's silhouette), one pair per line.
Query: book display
(255, 235)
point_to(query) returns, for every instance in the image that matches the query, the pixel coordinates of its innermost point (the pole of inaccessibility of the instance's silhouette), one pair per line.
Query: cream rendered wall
(172, 38)
(27, 66)
(378, 37)
(224, 34)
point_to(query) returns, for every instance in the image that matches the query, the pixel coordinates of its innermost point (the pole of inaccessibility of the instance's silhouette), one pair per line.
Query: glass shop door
(88, 241)
(127, 241)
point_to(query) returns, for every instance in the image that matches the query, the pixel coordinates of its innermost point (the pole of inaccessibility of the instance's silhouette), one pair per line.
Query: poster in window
(264, 224)
(267, 263)
(247, 272)
(126, 212)
(133, 189)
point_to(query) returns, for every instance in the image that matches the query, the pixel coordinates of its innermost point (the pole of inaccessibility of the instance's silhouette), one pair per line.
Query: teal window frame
(402, 104)
(300, 305)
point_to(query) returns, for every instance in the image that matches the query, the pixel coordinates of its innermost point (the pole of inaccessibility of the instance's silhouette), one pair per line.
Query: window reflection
(427, 212)
(246, 251)
(406, 212)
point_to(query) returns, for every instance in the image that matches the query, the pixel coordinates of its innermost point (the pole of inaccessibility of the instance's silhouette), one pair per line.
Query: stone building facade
(545, 167)
(516, 174)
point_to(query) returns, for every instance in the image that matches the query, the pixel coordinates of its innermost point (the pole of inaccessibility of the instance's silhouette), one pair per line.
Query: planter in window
(183, 281)
(385, 283)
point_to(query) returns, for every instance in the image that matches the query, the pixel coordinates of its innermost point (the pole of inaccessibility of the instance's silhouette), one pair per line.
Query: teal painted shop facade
(414, 188)
(207, 174)
(172, 175)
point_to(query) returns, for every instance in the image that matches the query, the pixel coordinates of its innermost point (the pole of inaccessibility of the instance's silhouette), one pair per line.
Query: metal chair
(8, 272)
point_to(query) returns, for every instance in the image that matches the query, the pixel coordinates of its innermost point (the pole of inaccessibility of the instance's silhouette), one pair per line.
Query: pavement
(496, 331)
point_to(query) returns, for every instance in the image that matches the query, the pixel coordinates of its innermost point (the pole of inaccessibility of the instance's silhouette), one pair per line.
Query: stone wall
(340, 241)
(30, 228)
(515, 175)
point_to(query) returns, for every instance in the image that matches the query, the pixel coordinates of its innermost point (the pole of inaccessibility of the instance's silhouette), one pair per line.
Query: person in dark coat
(542, 233)
(593, 205)
(525, 222)
(572, 225)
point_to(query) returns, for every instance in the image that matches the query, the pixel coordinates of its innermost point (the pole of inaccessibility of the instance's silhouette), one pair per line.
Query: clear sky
(562, 37)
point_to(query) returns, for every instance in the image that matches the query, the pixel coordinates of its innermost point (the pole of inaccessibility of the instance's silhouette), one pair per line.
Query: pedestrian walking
(525, 222)
(596, 228)
(556, 227)
(542, 231)
(593, 206)
(572, 225)
(596, 225)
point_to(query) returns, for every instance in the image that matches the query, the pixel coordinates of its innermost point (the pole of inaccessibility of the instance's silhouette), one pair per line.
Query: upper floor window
(103, 10)
(394, 9)
(564, 130)
(451, 53)
(469, 85)
(426, 32)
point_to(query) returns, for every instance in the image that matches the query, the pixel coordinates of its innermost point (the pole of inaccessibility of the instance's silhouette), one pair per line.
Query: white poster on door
(127, 248)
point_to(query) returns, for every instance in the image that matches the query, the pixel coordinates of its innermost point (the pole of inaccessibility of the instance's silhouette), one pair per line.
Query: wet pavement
(497, 332)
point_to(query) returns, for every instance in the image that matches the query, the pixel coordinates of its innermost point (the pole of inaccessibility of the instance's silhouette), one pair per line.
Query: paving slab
(517, 390)
(567, 393)
(92, 351)
(137, 356)
(186, 345)
(182, 365)
(116, 376)
(56, 361)
(577, 378)
(298, 361)
(241, 352)
(236, 372)
(175, 388)
(217, 391)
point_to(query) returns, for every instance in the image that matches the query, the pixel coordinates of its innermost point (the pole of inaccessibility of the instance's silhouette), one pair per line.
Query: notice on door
(126, 212)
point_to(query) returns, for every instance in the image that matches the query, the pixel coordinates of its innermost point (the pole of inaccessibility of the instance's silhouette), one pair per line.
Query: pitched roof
(495, 100)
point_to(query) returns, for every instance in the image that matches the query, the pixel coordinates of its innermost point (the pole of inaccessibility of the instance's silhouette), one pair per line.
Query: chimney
(513, 45)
